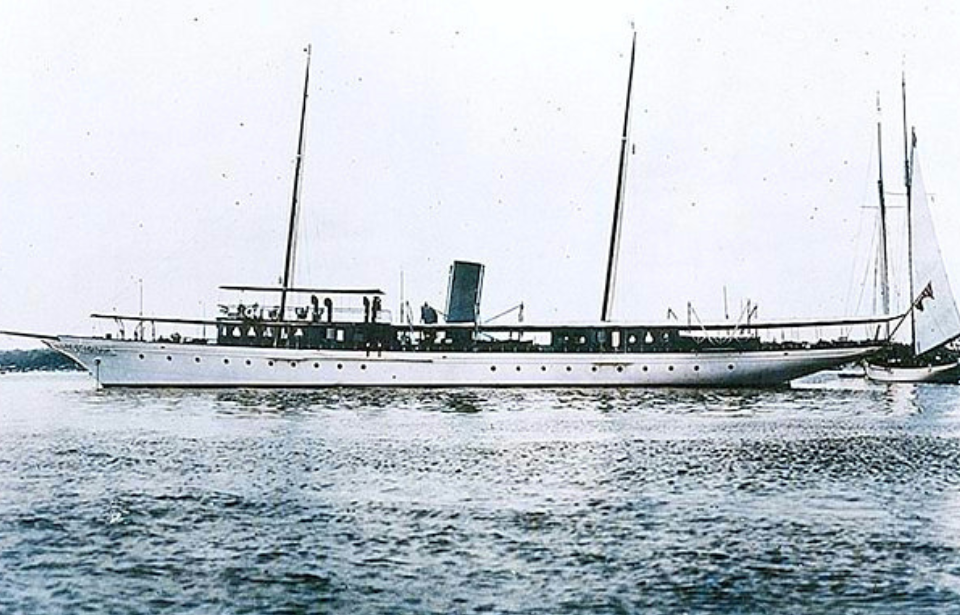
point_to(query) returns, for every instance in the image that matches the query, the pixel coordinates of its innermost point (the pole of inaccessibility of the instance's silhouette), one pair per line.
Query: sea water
(834, 496)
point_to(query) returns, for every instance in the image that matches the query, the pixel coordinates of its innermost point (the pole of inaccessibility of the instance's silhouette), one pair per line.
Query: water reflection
(809, 500)
(810, 397)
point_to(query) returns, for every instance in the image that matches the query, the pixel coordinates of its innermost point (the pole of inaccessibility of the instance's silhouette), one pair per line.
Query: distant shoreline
(35, 360)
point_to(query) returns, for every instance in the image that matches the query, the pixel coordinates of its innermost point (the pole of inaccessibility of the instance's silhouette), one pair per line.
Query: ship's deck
(513, 338)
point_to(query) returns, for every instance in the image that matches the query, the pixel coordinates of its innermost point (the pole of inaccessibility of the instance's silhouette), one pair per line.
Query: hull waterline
(116, 363)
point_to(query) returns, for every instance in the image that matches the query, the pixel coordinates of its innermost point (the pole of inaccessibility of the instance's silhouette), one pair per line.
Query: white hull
(154, 364)
(949, 372)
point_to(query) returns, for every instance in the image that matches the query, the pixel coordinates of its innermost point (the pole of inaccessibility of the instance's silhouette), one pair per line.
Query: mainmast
(612, 257)
(884, 256)
(290, 260)
(908, 183)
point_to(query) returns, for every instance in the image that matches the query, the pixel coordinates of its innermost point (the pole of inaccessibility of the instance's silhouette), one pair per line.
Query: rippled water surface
(836, 497)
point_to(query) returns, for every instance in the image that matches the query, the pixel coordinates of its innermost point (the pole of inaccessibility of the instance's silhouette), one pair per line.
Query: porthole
(493, 368)
(270, 363)
(363, 366)
(594, 368)
(293, 363)
(316, 366)
(645, 368)
(569, 369)
(696, 368)
(196, 359)
(670, 368)
(169, 358)
(141, 357)
(518, 368)
(249, 362)
(730, 366)
(620, 368)
(339, 365)
(226, 361)
(543, 368)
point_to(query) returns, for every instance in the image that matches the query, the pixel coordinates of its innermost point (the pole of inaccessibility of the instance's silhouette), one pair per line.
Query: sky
(151, 146)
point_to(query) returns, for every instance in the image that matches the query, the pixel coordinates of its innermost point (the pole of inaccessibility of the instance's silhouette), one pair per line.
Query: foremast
(884, 263)
(286, 282)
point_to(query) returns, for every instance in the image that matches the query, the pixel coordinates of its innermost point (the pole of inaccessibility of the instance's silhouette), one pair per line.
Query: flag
(926, 293)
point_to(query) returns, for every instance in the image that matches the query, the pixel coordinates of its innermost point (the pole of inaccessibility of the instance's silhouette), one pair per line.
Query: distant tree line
(40, 359)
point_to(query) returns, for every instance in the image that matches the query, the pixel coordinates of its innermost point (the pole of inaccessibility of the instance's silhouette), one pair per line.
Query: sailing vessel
(932, 321)
(320, 337)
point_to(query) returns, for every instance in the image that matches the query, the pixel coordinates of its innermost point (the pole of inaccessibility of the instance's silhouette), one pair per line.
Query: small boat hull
(945, 373)
(154, 364)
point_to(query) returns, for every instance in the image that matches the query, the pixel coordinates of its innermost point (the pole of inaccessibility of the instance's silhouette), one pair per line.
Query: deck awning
(313, 291)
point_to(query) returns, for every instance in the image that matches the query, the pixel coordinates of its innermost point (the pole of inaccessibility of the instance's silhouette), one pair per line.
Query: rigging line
(519, 306)
(873, 251)
(691, 310)
(908, 314)
(743, 317)
(867, 186)
(743, 320)
(853, 271)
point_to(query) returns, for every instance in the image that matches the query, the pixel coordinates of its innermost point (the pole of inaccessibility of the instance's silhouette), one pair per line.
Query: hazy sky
(155, 141)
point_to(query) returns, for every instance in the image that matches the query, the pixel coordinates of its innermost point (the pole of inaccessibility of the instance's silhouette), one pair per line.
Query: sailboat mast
(289, 261)
(908, 182)
(884, 256)
(612, 257)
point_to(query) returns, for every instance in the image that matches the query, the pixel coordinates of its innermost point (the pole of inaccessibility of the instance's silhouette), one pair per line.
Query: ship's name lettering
(87, 349)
